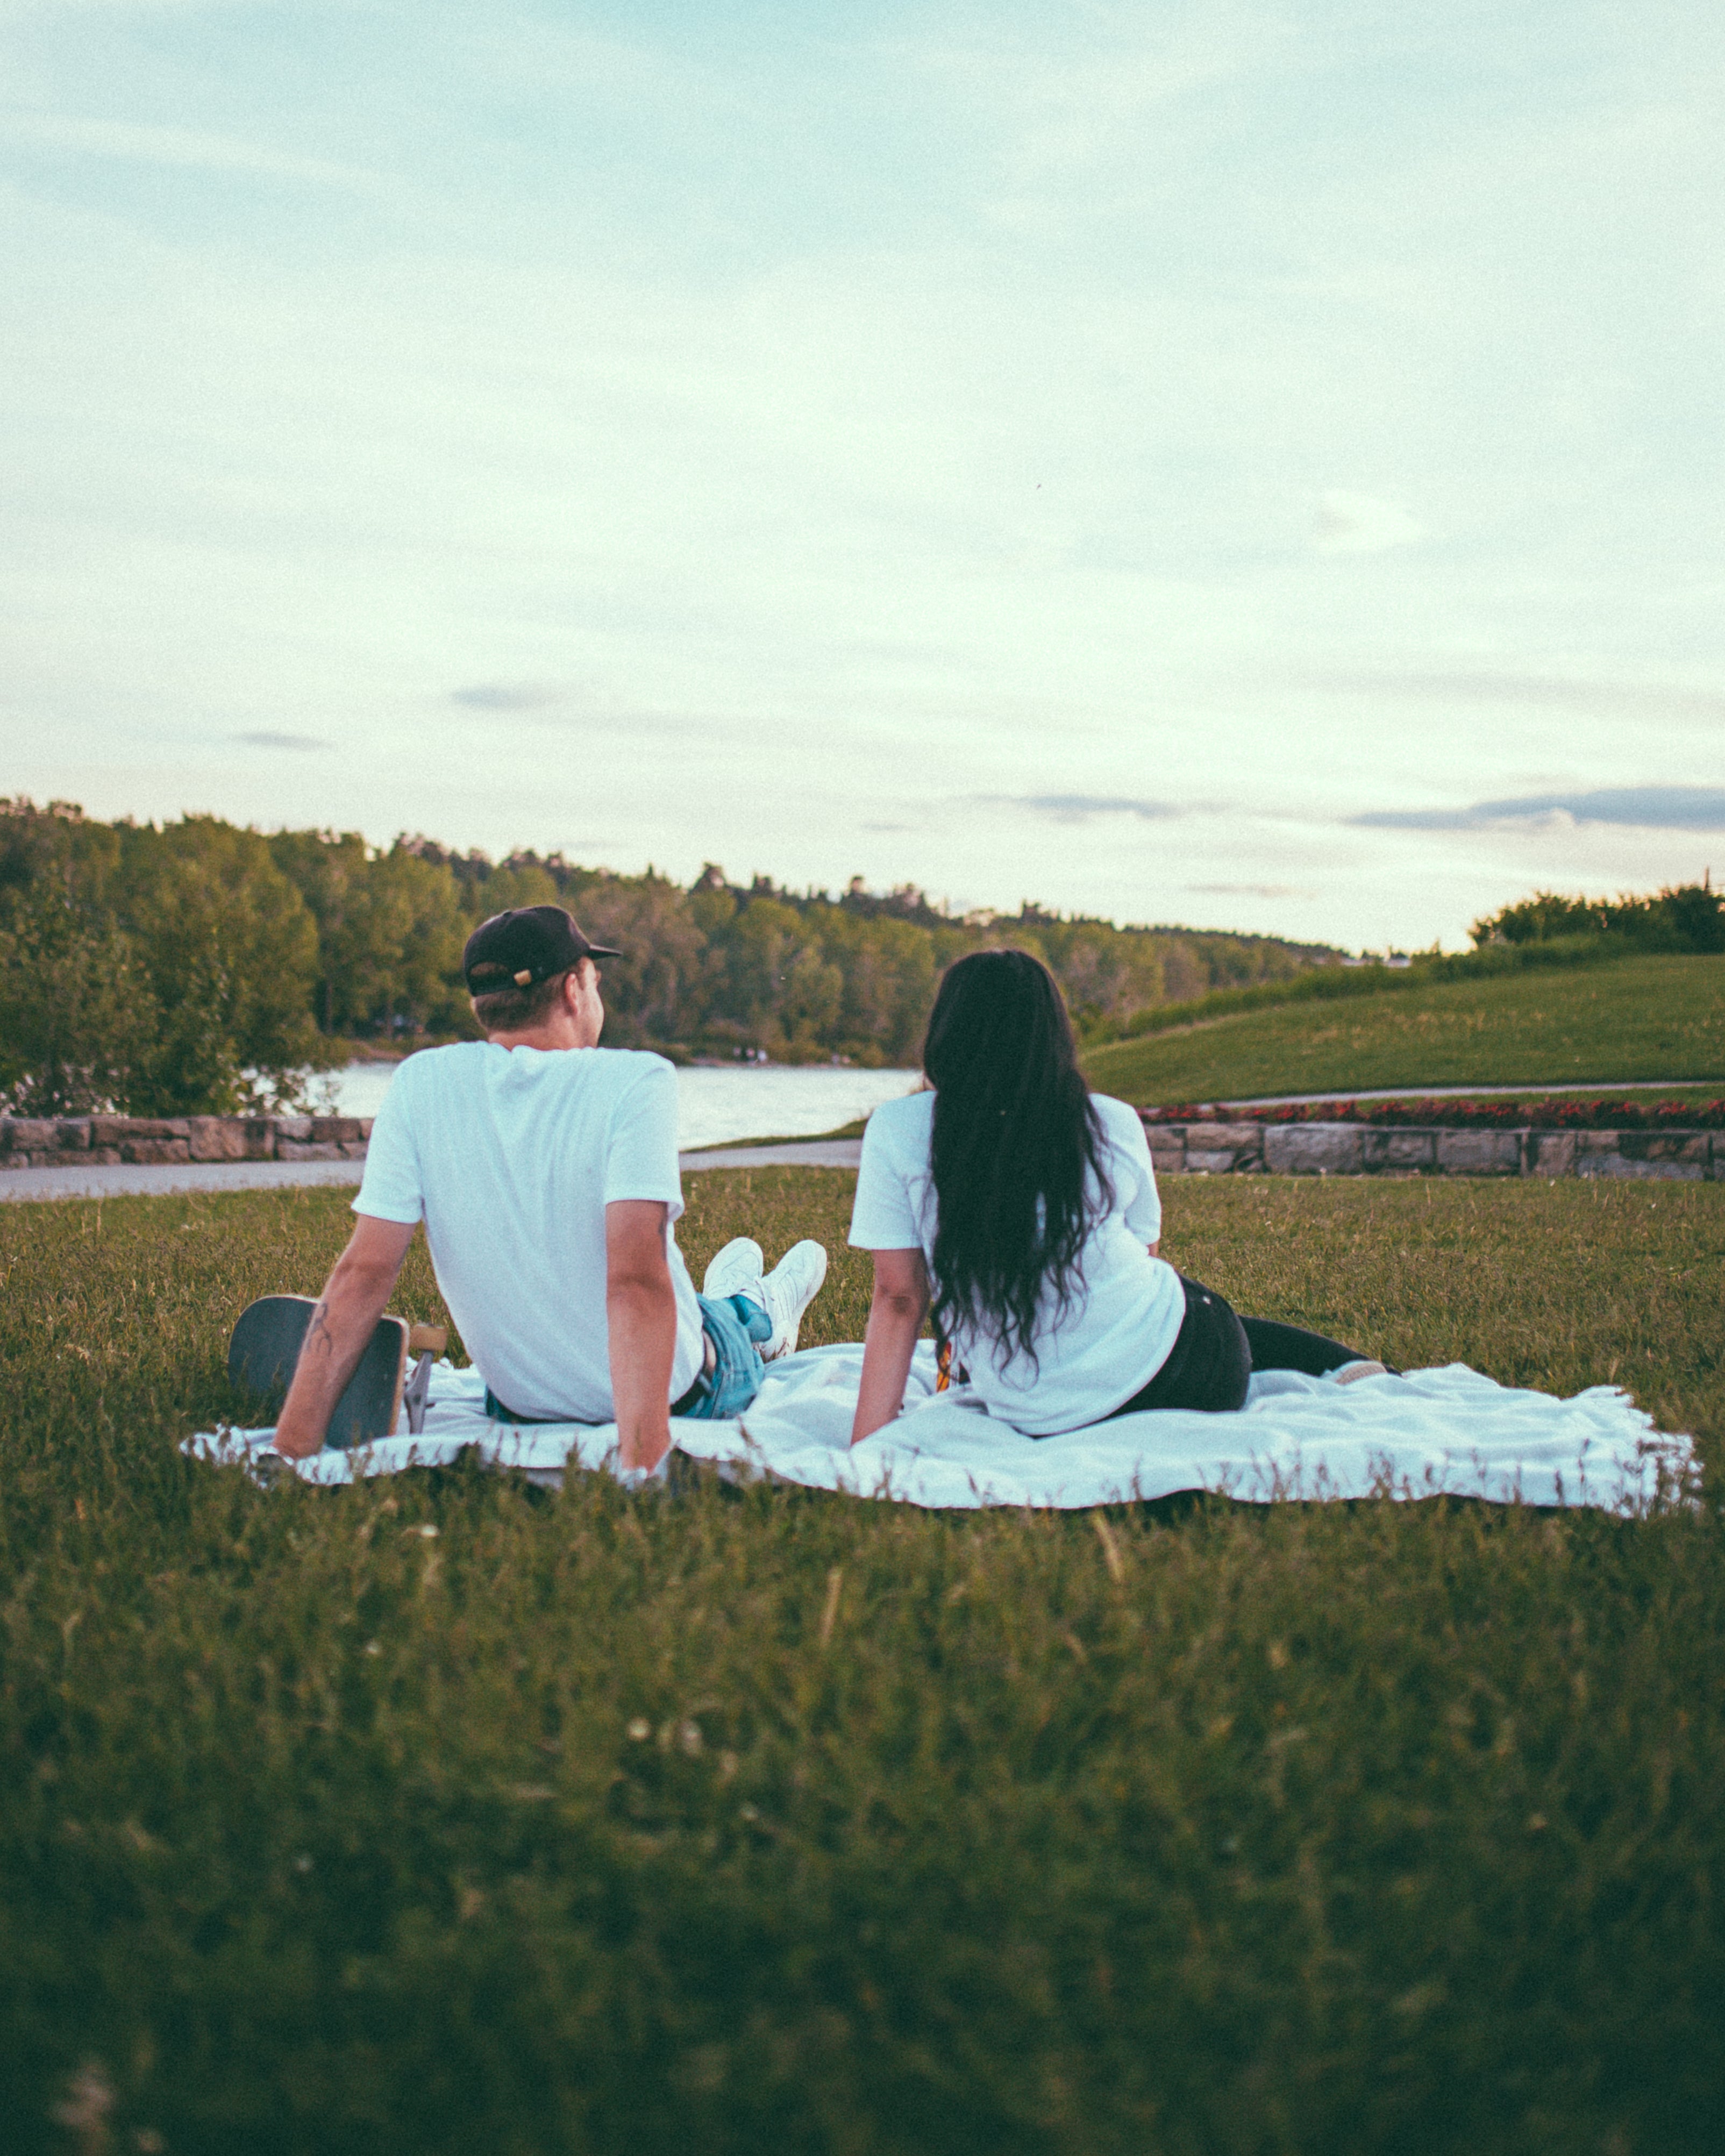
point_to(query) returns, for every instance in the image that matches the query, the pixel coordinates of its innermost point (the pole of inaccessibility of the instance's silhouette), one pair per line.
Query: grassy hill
(1638, 1018)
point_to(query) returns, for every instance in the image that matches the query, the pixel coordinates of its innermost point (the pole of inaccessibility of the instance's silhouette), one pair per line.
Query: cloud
(508, 696)
(265, 739)
(1361, 524)
(1612, 699)
(1053, 111)
(1645, 807)
(185, 147)
(1076, 807)
(1250, 891)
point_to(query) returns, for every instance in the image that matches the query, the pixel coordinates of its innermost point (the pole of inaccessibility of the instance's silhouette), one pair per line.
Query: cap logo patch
(522, 977)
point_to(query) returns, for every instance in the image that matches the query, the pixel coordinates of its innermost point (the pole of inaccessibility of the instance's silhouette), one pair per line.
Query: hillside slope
(1639, 1017)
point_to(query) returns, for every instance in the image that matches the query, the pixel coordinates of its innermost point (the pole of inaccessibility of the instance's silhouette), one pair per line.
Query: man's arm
(641, 1313)
(895, 1316)
(347, 1315)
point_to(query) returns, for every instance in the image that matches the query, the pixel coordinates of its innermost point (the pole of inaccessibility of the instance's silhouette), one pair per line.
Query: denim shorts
(735, 1327)
(732, 1329)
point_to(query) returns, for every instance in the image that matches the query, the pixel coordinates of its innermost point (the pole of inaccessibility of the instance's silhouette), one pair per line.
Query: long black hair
(1018, 1147)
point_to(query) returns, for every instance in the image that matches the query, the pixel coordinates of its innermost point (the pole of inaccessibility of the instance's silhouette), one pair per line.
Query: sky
(1251, 465)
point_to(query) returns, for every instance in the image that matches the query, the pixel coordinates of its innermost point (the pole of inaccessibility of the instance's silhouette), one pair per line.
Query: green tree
(889, 968)
(516, 883)
(230, 949)
(328, 871)
(78, 1022)
(390, 929)
(653, 992)
(781, 986)
(422, 908)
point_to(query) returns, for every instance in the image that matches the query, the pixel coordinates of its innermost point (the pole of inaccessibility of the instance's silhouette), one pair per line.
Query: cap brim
(600, 951)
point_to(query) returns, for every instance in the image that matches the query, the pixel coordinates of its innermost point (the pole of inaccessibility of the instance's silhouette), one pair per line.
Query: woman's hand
(896, 1317)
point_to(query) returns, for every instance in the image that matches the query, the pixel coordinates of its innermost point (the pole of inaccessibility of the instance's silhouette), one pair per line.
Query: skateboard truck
(427, 1342)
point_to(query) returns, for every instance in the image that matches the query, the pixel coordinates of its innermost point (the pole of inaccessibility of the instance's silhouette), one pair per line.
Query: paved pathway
(126, 1181)
(803, 1152)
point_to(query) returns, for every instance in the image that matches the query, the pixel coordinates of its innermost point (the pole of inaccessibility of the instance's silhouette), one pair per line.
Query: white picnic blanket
(1449, 1430)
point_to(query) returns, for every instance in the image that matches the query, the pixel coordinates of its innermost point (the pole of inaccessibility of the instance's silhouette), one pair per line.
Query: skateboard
(264, 1352)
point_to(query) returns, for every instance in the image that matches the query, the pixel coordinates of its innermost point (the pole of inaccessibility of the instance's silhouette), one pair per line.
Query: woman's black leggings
(1216, 1351)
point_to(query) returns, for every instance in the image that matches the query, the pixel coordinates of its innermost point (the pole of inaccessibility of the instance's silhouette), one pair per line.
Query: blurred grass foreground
(440, 1816)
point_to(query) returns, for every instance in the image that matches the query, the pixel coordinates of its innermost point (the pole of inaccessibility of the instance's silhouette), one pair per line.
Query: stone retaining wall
(1176, 1148)
(80, 1141)
(1385, 1149)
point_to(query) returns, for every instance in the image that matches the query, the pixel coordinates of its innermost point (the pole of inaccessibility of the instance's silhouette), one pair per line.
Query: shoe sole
(789, 1346)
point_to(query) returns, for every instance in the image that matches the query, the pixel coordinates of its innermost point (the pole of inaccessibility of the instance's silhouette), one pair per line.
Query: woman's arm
(895, 1318)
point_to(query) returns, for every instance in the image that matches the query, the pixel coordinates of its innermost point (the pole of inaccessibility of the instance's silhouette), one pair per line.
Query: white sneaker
(737, 1270)
(790, 1287)
(1350, 1373)
(645, 1478)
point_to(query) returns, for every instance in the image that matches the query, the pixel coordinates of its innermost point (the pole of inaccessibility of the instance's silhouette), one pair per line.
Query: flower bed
(1565, 1113)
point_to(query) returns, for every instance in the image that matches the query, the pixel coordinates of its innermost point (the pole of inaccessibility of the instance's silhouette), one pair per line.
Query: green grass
(1642, 1018)
(1333, 984)
(439, 1815)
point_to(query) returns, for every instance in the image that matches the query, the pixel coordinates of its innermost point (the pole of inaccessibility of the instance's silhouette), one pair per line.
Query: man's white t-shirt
(1126, 1307)
(510, 1156)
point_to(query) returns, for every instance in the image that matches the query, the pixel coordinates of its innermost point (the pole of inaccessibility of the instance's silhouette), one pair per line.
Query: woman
(1024, 1208)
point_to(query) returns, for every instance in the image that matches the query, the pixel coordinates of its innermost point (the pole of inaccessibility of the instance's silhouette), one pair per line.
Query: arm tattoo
(318, 1334)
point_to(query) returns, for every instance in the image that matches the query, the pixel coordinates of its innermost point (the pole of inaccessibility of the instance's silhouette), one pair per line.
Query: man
(545, 1168)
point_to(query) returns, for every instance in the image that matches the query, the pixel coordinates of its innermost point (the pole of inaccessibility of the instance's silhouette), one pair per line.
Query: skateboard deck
(264, 1352)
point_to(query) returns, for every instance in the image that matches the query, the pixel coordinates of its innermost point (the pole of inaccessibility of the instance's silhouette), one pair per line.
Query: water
(714, 1107)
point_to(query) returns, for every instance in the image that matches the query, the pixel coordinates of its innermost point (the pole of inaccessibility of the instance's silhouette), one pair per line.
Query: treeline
(199, 967)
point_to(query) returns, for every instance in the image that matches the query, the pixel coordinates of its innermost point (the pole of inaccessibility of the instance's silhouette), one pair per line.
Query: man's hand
(347, 1315)
(641, 1310)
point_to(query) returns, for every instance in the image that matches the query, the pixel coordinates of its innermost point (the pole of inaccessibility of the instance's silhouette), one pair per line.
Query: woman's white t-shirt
(1125, 1308)
(510, 1156)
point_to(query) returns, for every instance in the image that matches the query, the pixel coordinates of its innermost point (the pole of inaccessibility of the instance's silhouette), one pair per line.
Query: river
(714, 1107)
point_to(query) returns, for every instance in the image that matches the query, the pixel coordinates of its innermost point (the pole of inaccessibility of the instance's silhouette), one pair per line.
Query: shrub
(1687, 918)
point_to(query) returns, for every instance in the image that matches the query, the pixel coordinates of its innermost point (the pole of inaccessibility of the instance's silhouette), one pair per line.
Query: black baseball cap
(526, 946)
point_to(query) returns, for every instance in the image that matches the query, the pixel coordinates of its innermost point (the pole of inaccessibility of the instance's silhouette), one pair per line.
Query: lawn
(441, 1816)
(1639, 1017)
